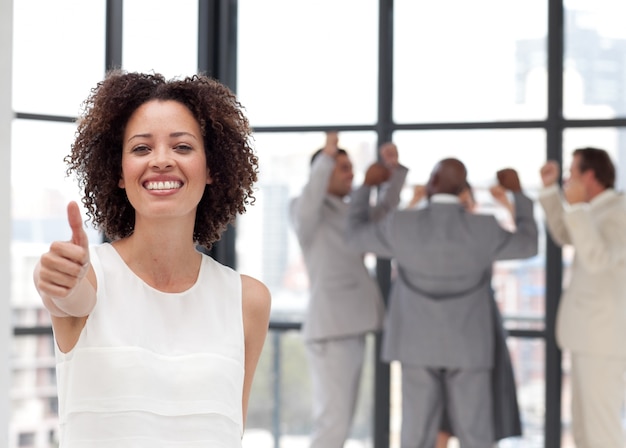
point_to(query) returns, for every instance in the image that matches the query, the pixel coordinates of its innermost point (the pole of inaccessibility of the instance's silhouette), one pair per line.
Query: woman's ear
(209, 179)
(121, 183)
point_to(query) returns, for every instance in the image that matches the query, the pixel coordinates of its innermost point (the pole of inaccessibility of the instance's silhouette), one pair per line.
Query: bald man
(439, 323)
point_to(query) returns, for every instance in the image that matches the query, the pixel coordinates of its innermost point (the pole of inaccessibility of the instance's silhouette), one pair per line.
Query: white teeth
(167, 185)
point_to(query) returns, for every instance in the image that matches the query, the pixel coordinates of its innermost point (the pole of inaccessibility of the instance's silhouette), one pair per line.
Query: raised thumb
(79, 236)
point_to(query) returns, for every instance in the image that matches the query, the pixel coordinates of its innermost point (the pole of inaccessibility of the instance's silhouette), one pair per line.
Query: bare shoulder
(256, 296)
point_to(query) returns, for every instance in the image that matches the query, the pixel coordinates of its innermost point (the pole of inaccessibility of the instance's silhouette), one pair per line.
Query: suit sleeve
(524, 242)
(552, 204)
(389, 194)
(363, 233)
(306, 210)
(599, 245)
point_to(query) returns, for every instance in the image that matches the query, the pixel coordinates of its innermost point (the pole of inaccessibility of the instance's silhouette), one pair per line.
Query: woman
(156, 343)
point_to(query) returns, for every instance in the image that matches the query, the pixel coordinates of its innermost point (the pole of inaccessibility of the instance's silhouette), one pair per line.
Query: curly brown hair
(96, 156)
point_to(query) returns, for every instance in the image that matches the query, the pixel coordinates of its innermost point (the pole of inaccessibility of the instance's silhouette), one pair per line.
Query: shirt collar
(444, 198)
(603, 197)
(337, 200)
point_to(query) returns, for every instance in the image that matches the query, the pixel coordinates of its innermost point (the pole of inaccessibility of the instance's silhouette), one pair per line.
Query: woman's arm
(256, 315)
(66, 282)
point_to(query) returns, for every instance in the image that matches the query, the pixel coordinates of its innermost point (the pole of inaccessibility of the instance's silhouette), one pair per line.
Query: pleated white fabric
(154, 369)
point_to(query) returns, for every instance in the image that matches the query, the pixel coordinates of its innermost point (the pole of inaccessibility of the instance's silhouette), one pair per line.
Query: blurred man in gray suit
(439, 324)
(591, 322)
(345, 302)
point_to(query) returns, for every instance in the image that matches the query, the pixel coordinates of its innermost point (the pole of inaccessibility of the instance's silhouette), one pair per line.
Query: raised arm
(523, 242)
(391, 182)
(305, 211)
(66, 282)
(498, 192)
(389, 195)
(552, 203)
(366, 231)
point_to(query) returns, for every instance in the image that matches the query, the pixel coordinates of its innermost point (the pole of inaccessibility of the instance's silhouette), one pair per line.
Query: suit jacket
(344, 298)
(507, 419)
(591, 317)
(439, 312)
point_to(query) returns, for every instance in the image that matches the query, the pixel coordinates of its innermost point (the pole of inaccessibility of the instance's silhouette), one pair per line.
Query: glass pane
(528, 358)
(595, 70)
(161, 36)
(280, 400)
(33, 392)
(519, 284)
(40, 192)
(308, 63)
(267, 248)
(450, 66)
(58, 54)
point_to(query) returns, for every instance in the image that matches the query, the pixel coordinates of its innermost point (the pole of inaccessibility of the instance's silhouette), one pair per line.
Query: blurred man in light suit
(591, 321)
(439, 324)
(345, 302)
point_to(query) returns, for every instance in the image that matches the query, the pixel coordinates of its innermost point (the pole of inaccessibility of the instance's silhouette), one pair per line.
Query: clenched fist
(509, 179)
(549, 173)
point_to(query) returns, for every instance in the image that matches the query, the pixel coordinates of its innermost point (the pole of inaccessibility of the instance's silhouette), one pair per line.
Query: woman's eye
(141, 149)
(183, 148)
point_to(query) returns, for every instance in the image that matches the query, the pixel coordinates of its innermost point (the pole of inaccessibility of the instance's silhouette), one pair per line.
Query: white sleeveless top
(154, 369)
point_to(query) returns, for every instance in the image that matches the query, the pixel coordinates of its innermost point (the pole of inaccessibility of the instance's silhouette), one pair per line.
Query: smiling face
(340, 183)
(574, 169)
(164, 168)
(576, 176)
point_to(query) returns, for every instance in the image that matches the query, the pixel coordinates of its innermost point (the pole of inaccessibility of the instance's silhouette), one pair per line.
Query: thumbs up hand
(79, 236)
(65, 265)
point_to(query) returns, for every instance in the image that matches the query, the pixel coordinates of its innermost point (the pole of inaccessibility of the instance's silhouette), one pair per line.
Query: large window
(160, 36)
(308, 63)
(484, 81)
(468, 80)
(461, 61)
(595, 69)
(266, 245)
(58, 54)
(53, 69)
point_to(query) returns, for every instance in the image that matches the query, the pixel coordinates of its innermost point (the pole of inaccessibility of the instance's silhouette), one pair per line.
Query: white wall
(6, 116)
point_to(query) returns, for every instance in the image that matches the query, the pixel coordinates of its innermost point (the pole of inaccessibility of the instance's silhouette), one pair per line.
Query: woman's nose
(162, 158)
